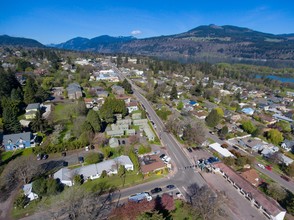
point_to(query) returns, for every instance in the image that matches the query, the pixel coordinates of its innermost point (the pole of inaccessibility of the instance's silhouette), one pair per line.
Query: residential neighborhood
(99, 122)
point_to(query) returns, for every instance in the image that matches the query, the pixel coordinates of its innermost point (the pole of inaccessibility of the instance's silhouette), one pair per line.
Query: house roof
(269, 204)
(26, 136)
(251, 176)
(224, 152)
(65, 174)
(151, 163)
(33, 106)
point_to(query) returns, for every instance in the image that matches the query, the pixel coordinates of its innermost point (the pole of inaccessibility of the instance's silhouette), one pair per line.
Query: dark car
(45, 157)
(189, 149)
(156, 190)
(170, 186)
(81, 159)
(162, 156)
(285, 178)
(63, 154)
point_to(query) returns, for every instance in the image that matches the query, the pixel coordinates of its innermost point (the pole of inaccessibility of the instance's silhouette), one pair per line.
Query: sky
(56, 21)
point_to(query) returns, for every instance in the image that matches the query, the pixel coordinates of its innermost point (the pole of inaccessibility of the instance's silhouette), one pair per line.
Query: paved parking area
(240, 207)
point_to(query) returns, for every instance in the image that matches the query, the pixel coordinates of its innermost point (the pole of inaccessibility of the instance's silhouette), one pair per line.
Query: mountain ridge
(211, 43)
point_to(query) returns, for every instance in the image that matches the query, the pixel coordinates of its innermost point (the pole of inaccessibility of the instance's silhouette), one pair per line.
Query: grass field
(9, 154)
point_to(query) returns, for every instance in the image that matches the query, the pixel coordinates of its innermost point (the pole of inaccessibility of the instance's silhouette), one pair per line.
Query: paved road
(183, 177)
(276, 177)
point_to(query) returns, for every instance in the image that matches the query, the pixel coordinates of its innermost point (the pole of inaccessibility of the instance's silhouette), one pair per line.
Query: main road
(183, 172)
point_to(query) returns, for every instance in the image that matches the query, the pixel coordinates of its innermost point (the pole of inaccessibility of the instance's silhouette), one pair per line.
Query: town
(109, 133)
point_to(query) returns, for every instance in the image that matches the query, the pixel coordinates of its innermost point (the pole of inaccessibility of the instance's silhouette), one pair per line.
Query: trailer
(140, 196)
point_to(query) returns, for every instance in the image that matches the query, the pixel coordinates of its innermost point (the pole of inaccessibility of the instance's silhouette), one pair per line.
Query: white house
(222, 151)
(27, 189)
(93, 171)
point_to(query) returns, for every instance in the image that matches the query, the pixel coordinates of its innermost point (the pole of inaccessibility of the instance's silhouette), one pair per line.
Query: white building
(93, 171)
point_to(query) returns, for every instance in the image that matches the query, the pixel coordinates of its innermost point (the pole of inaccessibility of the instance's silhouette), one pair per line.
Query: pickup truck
(140, 196)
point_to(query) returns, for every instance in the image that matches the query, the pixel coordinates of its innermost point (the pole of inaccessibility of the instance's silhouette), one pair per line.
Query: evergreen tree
(30, 90)
(174, 93)
(213, 118)
(127, 86)
(11, 123)
(94, 119)
(38, 123)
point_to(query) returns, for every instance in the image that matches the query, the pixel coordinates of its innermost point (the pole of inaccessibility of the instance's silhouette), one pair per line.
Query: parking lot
(239, 206)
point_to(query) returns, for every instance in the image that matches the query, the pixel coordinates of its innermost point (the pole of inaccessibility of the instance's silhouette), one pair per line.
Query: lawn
(9, 154)
(63, 111)
(131, 179)
(182, 211)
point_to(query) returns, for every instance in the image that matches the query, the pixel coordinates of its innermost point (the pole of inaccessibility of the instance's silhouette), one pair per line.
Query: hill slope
(19, 41)
(206, 43)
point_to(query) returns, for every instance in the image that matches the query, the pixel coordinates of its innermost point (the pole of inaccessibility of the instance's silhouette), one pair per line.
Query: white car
(261, 166)
(167, 159)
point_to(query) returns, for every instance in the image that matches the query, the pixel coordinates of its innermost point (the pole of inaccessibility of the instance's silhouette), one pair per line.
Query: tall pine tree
(174, 93)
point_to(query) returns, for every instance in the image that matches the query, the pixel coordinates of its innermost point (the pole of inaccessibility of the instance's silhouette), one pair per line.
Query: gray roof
(63, 174)
(15, 137)
(73, 87)
(33, 106)
(93, 169)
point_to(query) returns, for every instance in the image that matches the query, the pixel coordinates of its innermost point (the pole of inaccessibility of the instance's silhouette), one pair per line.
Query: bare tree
(78, 203)
(204, 201)
(18, 171)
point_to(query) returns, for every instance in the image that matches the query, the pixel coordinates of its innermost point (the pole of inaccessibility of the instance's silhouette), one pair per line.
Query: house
(74, 91)
(268, 119)
(118, 90)
(102, 94)
(248, 111)
(200, 114)
(132, 106)
(287, 145)
(266, 205)
(18, 141)
(251, 176)
(280, 117)
(93, 171)
(222, 151)
(31, 110)
(115, 133)
(136, 115)
(151, 163)
(27, 189)
(285, 160)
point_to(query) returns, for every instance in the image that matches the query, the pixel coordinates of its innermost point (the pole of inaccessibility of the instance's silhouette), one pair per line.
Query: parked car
(39, 156)
(81, 159)
(261, 166)
(63, 154)
(268, 167)
(45, 157)
(170, 186)
(189, 149)
(285, 178)
(167, 159)
(156, 190)
(162, 156)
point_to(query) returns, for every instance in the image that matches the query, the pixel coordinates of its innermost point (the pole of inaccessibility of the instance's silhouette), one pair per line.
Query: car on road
(63, 154)
(156, 190)
(261, 166)
(268, 167)
(189, 149)
(45, 157)
(285, 178)
(170, 186)
(211, 132)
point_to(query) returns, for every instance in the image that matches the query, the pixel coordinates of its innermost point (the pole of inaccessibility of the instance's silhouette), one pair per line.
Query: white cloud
(136, 32)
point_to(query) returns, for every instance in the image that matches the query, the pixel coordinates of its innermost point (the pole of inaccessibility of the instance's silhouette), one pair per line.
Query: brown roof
(270, 205)
(151, 163)
(251, 176)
